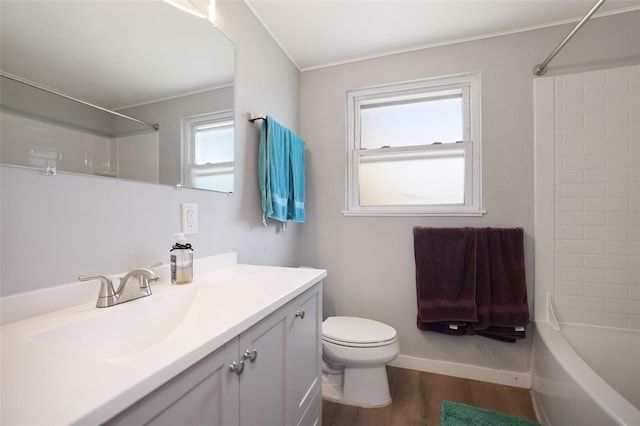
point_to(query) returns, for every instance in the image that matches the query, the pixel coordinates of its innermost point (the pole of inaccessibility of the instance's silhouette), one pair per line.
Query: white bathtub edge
(593, 385)
(538, 408)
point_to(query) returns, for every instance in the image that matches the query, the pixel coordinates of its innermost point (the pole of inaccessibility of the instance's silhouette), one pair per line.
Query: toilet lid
(357, 330)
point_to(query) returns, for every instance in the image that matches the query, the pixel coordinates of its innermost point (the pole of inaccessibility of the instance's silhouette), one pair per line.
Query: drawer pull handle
(237, 368)
(300, 314)
(250, 355)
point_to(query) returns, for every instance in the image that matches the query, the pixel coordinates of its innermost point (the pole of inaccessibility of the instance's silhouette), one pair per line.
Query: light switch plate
(189, 218)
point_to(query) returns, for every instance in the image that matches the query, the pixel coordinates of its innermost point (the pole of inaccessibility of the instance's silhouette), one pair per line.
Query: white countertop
(49, 384)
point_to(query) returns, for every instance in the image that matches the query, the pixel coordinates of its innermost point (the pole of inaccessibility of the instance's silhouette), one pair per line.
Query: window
(209, 151)
(414, 148)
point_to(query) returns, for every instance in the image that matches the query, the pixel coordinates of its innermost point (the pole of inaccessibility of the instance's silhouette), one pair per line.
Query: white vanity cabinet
(275, 381)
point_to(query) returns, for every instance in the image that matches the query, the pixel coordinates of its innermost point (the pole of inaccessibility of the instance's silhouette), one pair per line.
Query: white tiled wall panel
(34, 143)
(597, 272)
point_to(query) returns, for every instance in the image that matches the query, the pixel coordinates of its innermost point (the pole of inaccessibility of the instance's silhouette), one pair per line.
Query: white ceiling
(317, 33)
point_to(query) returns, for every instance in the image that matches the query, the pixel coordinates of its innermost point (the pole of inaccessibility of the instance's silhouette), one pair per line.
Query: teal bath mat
(456, 414)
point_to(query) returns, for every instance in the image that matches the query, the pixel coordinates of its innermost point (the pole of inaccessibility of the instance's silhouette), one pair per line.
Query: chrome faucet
(126, 291)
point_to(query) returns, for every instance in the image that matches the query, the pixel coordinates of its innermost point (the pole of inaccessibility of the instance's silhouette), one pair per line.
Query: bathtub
(568, 391)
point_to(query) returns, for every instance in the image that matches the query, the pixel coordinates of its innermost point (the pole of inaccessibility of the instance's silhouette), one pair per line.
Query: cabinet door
(264, 396)
(205, 394)
(307, 352)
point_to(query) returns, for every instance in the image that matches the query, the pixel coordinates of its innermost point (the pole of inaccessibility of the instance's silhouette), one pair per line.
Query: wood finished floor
(417, 397)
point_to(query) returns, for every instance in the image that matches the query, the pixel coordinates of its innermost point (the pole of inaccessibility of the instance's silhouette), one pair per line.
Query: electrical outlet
(189, 218)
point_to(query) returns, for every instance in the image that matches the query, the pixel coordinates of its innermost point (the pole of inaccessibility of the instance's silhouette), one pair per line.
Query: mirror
(145, 60)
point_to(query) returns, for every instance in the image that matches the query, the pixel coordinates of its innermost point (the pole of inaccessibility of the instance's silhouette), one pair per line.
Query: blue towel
(281, 173)
(296, 189)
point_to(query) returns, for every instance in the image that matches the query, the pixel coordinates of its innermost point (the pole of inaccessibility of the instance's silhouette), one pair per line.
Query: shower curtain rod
(154, 126)
(541, 68)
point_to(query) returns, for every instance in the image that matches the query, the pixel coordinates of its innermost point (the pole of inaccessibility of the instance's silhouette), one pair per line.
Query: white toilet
(354, 354)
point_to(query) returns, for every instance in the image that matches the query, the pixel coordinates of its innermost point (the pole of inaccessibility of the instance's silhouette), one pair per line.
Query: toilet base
(361, 387)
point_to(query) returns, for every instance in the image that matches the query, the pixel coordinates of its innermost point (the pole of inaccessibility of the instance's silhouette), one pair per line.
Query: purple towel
(445, 274)
(473, 278)
(501, 288)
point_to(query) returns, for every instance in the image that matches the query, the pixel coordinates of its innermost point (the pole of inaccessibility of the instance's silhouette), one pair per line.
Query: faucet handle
(107, 293)
(144, 276)
(144, 283)
(155, 265)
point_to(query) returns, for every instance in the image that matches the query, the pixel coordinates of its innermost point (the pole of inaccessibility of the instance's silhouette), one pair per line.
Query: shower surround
(597, 202)
(587, 250)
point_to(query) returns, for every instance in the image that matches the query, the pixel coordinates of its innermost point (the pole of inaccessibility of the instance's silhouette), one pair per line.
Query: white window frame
(472, 145)
(189, 126)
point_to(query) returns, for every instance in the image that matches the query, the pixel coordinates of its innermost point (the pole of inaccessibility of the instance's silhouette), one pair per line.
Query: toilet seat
(357, 332)
(359, 345)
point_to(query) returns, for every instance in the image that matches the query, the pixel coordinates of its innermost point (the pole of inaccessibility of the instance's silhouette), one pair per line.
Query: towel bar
(253, 116)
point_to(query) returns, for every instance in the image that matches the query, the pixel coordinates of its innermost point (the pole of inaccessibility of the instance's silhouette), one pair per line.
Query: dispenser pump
(181, 255)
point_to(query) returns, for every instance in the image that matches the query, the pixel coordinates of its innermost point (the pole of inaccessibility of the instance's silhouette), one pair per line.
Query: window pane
(213, 144)
(419, 179)
(414, 122)
(217, 178)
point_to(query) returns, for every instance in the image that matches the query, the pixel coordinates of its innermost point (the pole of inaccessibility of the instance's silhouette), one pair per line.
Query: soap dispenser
(181, 260)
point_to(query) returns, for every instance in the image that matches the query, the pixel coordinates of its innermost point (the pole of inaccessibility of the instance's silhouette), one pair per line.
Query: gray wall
(56, 228)
(370, 259)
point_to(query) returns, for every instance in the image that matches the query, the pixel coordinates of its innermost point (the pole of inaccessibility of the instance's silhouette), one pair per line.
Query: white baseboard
(465, 371)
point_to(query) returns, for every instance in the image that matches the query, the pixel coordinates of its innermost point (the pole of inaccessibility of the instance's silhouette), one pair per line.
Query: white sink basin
(120, 331)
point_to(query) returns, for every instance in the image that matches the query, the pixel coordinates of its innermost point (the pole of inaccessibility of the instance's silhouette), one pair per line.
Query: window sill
(469, 212)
